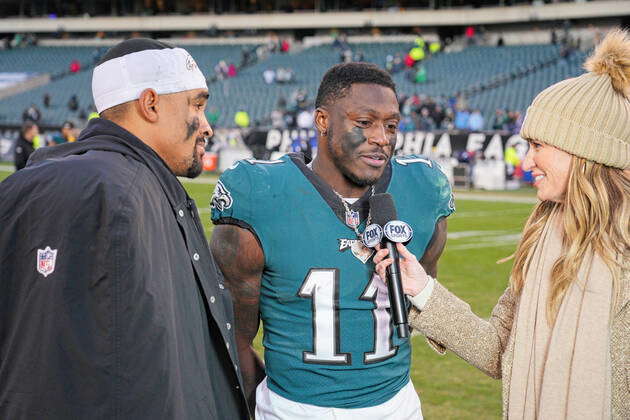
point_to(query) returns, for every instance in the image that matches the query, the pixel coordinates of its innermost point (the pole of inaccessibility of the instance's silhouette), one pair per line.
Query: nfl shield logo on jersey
(352, 218)
(46, 260)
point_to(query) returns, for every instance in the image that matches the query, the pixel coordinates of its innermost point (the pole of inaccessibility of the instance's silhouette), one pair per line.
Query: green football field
(483, 230)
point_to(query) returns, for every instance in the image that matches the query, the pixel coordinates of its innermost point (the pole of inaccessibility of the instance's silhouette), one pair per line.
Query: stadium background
(493, 54)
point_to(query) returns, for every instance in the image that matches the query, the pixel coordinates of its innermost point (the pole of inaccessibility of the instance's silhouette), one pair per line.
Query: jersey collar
(362, 205)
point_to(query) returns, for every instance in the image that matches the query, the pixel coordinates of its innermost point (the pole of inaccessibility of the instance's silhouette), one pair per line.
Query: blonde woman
(559, 336)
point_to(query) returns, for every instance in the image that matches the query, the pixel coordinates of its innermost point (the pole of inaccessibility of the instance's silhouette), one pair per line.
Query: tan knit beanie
(589, 115)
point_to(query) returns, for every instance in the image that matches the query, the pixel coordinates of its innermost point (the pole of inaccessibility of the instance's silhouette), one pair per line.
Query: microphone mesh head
(382, 208)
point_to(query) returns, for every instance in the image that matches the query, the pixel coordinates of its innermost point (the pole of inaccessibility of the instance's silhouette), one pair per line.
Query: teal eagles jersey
(328, 334)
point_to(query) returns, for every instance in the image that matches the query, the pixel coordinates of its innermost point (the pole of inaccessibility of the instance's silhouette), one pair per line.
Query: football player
(288, 240)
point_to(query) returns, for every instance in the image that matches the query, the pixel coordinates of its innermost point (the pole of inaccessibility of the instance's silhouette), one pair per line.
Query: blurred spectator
(289, 119)
(27, 142)
(281, 103)
(68, 131)
(389, 63)
(345, 56)
(269, 76)
(500, 120)
(461, 119)
(305, 119)
(461, 102)
(469, 33)
(73, 103)
(476, 121)
(421, 75)
(213, 114)
(46, 100)
(221, 70)
(409, 61)
(512, 161)
(299, 144)
(359, 56)
(417, 53)
(32, 113)
(98, 53)
(75, 66)
(299, 99)
(284, 75)
(255, 139)
(67, 135)
(248, 56)
(426, 123)
(448, 123)
(241, 118)
(277, 119)
(285, 46)
(406, 123)
(341, 42)
(435, 47)
(273, 44)
(438, 115)
(231, 70)
(515, 121)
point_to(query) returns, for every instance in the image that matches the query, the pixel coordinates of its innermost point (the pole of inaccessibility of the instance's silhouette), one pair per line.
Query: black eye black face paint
(192, 127)
(352, 139)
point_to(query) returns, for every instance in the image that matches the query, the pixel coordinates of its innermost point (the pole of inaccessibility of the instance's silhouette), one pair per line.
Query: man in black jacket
(111, 306)
(24, 145)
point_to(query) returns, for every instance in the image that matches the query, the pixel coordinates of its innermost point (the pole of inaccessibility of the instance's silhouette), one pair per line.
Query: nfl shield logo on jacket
(46, 260)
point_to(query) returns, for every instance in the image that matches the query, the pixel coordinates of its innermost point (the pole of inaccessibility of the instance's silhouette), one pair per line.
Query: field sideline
(484, 229)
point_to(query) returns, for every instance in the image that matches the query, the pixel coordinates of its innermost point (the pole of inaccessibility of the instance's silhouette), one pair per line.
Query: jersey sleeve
(232, 201)
(444, 194)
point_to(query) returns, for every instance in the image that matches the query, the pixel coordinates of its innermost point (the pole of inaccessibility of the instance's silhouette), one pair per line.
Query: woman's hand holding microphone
(414, 278)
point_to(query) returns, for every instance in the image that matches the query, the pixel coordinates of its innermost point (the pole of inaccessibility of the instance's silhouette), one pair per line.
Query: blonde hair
(595, 219)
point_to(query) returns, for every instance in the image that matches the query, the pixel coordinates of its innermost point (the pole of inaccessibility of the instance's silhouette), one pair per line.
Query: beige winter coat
(449, 323)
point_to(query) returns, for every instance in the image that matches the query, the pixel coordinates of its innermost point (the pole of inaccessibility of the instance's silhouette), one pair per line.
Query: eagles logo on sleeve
(221, 198)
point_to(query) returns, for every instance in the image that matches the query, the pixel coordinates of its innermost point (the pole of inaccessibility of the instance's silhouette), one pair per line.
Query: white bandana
(122, 79)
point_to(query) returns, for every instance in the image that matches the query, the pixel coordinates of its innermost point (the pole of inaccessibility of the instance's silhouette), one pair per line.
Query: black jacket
(134, 321)
(23, 150)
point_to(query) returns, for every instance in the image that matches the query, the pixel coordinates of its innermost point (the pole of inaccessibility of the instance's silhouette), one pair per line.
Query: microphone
(388, 230)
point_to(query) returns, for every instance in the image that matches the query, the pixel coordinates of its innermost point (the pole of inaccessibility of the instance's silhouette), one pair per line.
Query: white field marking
(490, 242)
(474, 233)
(212, 179)
(493, 197)
(489, 213)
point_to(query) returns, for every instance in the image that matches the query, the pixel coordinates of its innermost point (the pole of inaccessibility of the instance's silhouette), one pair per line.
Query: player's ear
(322, 120)
(148, 105)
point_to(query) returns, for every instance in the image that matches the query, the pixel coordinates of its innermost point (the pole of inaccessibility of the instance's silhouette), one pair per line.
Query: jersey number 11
(321, 285)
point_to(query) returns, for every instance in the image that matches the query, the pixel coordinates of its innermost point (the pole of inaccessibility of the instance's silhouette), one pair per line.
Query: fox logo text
(372, 235)
(398, 231)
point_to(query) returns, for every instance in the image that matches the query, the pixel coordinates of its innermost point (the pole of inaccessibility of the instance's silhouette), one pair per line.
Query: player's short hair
(28, 124)
(133, 45)
(339, 78)
(116, 113)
